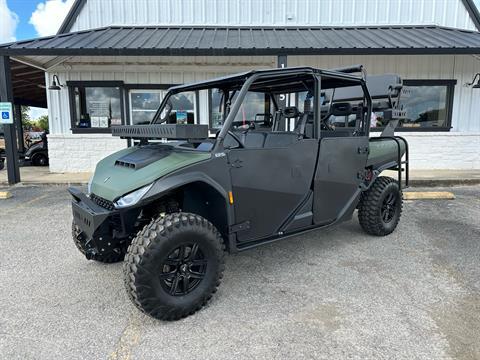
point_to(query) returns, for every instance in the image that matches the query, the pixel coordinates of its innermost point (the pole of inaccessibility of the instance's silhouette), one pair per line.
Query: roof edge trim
(473, 12)
(71, 16)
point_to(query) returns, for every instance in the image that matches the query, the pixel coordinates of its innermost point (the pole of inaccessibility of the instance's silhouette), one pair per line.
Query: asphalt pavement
(336, 294)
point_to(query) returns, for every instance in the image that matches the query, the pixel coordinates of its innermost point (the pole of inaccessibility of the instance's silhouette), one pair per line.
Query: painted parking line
(428, 195)
(129, 338)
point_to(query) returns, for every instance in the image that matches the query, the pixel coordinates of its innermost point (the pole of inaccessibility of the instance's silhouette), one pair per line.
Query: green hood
(112, 181)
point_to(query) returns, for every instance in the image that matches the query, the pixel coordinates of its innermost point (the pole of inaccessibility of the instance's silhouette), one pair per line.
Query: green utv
(287, 151)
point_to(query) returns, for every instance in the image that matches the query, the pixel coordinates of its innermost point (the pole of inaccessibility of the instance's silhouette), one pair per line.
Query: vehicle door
(271, 176)
(342, 158)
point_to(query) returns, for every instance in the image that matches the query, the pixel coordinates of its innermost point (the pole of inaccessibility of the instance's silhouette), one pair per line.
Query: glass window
(251, 110)
(180, 108)
(96, 107)
(144, 104)
(427, 104)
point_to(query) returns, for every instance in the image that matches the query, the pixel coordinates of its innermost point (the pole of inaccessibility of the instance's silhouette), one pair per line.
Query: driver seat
(289, 112)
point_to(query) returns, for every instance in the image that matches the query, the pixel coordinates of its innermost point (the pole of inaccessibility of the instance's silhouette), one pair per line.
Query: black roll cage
(248, 78)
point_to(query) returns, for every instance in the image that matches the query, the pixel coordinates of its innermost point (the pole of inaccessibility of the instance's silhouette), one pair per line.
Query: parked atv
(37, 151)
(172, 208)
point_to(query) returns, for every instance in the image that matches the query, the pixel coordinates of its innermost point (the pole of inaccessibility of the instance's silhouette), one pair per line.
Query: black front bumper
(87, 215)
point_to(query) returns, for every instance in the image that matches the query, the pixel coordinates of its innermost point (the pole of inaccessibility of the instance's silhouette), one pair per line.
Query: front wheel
(380, 207)
(174, 265)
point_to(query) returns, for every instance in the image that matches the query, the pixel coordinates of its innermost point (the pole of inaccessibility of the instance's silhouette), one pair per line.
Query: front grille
(106, 204)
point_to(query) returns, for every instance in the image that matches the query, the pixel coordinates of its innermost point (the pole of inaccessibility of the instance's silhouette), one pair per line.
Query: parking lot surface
(325, 295)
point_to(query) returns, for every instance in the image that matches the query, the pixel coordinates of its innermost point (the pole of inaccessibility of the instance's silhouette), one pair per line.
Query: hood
(131, 168)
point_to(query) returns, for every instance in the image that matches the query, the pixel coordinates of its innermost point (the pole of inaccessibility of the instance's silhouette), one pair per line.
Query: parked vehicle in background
(271, 171)
(36, 146)
(37, 150)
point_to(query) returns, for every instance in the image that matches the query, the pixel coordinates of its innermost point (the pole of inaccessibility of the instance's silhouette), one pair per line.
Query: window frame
(129, 87)
(269, 103)
(450, 84)
(100, 83)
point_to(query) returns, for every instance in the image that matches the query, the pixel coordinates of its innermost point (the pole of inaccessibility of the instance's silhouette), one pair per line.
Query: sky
(27, 19)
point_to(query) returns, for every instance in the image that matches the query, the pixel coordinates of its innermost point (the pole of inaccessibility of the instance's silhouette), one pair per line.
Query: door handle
(237, 163)
(362, 150)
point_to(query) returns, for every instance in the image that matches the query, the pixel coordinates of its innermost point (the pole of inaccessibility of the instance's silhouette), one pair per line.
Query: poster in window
(99, 108)
(181, 117)
(103, 121)
(95, 121)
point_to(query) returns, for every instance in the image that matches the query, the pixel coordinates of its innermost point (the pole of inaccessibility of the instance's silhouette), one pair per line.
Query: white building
(119, 56)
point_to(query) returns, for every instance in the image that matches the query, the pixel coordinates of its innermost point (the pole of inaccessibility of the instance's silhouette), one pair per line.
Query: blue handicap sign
(5, 115)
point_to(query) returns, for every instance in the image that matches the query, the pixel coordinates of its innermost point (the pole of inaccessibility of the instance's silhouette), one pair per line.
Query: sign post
(6, 118)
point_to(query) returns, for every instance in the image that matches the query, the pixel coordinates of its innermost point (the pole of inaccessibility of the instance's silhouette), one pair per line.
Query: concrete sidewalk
(31, 175)
(39, 175)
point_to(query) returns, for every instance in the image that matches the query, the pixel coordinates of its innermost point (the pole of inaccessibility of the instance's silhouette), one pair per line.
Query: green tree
(26, 121)
(42, 122)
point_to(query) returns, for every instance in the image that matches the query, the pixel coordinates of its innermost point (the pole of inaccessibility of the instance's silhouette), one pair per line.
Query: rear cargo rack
(161, 131)
(400, 168)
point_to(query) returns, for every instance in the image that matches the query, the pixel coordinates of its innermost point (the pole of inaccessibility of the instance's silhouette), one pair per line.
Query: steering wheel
(234, 136)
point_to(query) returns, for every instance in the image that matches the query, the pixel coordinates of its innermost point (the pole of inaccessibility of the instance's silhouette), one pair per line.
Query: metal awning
(228, 41)
(28, 85)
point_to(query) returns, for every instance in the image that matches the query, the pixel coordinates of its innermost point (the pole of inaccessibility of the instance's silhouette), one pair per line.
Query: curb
(5, 195)
(34, 183)
(442, 182)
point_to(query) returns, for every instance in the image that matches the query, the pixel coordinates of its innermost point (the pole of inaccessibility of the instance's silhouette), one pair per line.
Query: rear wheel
(380, 207)
(174, 265)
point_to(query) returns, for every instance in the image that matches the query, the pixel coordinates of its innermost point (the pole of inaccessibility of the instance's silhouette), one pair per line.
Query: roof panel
(209, 40)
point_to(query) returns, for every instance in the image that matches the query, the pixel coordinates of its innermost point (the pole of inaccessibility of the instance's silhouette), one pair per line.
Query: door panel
(269, 183)
(336, 178)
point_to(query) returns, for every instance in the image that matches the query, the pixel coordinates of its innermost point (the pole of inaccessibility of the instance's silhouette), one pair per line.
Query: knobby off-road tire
(174, 265)
(380, 207)
(79, 240)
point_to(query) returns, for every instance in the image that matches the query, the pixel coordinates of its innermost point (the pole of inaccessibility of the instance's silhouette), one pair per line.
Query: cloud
(35, 112)
(8, 23)
(48, 16)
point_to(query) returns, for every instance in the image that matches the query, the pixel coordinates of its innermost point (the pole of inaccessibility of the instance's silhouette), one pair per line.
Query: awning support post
(17, 111)
(6, 95)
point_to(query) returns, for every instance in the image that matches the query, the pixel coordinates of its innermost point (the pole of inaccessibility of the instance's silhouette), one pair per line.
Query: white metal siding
(136, 70)
(466, 103)
(99, 13)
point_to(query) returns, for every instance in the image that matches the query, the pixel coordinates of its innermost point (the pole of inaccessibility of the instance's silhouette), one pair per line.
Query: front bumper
(87, 215)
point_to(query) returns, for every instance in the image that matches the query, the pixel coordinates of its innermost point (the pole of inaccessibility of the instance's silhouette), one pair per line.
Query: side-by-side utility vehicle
(265, 155)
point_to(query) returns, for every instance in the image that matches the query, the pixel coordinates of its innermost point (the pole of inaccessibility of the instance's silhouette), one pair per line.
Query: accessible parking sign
(6, 113)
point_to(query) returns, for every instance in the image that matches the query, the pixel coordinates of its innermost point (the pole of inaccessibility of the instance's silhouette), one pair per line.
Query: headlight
(132, 198)
(89, 185)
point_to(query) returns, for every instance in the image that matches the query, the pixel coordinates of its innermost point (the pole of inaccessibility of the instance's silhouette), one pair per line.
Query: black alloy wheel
(174, 265)
(389, 207)
(183, 269)
(380, 207)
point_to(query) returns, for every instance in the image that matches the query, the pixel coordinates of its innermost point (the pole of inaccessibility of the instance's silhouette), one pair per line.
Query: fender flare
(163, 186)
